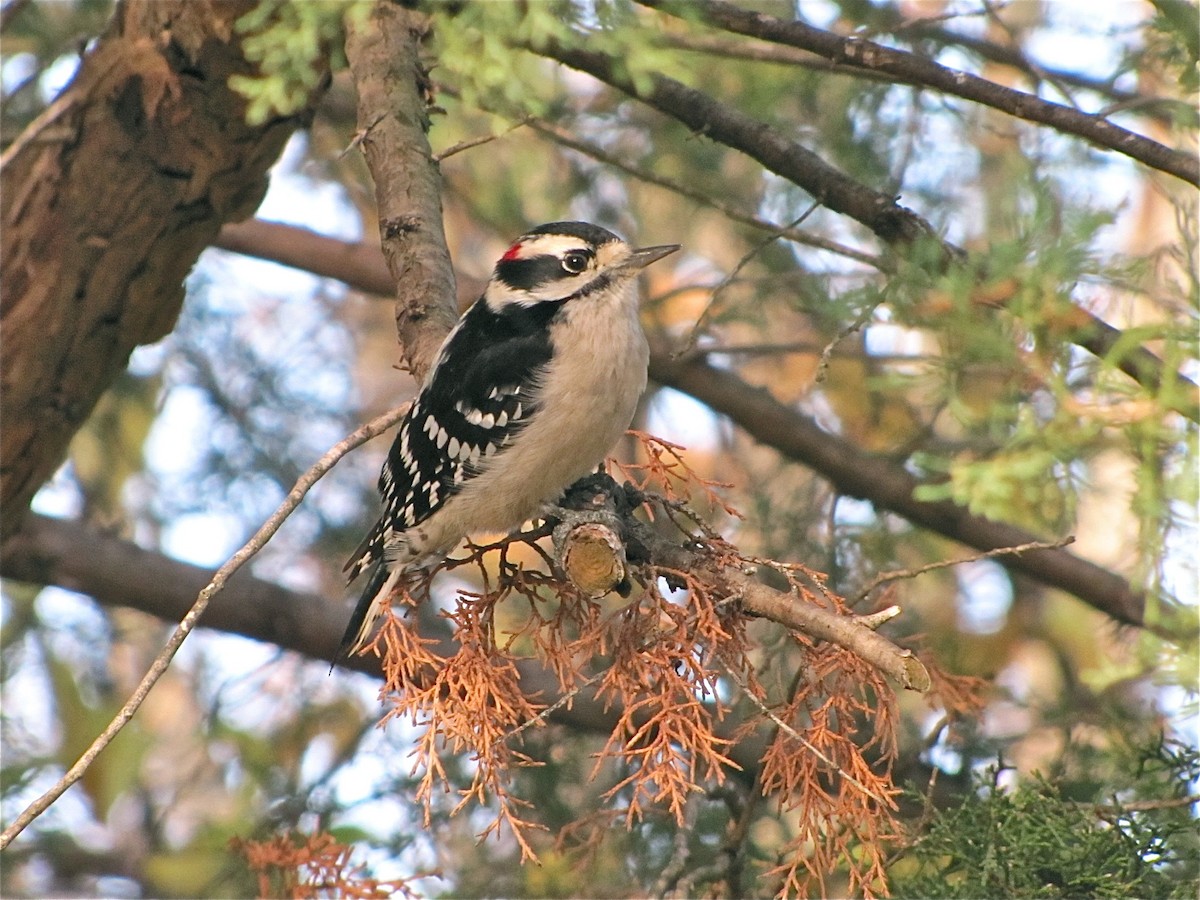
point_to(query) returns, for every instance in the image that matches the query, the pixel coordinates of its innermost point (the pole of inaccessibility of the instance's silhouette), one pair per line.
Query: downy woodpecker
(529, 391)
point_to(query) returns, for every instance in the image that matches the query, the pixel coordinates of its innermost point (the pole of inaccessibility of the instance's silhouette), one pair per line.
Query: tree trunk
(107, 200)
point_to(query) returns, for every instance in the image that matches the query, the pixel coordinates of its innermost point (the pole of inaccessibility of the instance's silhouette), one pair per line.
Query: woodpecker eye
(574, 262)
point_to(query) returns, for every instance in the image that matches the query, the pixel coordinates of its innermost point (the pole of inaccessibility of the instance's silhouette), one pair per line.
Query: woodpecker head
(564, 261)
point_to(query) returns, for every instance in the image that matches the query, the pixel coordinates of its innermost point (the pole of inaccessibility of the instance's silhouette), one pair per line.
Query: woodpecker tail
(382, 581)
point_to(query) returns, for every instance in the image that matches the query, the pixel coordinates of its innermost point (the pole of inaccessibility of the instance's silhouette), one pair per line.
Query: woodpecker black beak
(639, 259)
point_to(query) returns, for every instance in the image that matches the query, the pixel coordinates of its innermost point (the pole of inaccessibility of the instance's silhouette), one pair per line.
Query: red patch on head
(513, 252)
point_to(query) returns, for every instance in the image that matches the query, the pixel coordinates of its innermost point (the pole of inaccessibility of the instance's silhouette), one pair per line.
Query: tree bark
(393, 119)
(108, 199)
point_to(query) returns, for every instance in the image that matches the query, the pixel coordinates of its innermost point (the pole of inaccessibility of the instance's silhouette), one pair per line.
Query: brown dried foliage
(668, 473)
(467, 703)
(840, 797)
(300, 867)
(658, 659)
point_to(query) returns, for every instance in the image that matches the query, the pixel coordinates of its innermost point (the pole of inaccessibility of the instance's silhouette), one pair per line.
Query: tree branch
(912, 67)
(890, 486)
(892, 223)
(1146, 105)
(1013, 57)
(118, 573)
(879, 212)
(597, 521)
(564, 138)
(381, 57)
(188, 622)
(361, 266)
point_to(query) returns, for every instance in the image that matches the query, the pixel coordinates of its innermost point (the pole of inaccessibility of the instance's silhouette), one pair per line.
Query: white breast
(588, 397)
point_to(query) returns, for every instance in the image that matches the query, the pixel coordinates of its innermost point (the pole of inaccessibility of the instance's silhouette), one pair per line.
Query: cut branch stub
(589, 551)
(597, 536)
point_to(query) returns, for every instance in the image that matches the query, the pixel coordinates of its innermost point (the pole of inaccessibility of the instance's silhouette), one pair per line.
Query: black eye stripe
(527, 274)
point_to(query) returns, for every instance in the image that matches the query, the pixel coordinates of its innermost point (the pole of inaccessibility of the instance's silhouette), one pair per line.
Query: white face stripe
(546, 245)
(608, 254)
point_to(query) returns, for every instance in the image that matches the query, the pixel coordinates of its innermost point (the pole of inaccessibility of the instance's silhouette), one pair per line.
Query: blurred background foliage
(267, 367)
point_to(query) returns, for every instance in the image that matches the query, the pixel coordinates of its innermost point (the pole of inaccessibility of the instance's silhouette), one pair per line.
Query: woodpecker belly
(585, 399)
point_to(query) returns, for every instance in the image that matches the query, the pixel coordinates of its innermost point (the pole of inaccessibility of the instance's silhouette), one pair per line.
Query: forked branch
(916, 69)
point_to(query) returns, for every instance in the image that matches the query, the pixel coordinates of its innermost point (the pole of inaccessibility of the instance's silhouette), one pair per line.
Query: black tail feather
(375, 581)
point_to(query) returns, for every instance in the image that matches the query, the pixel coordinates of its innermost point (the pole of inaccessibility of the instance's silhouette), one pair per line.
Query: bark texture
(394, 92)
(108, 199)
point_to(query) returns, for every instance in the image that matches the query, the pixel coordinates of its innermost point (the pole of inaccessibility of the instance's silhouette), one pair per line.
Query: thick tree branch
(892, 223)
(118, 573)
(889, 486)
(393, 92)
(879, 212)
(886, 484)
(106, 204)
(854, 51)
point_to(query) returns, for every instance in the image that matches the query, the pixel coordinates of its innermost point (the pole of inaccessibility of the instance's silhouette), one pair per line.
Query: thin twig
(474, 142)
(795, 735)
(1105, 809)
(36, 130)
(360, 136)
(1038, 73)
(163, 660)
(898, 574)
(706, 313)
(859, 321)
(553, 707)
(853, 50)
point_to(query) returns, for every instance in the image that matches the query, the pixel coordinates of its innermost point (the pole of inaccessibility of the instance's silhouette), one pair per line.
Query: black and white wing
(481, 393)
